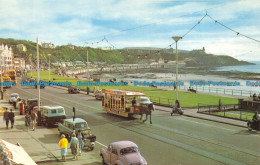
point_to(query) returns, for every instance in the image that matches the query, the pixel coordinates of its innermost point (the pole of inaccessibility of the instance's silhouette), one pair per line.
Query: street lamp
(176, 39)
(2, 95)
(49, 67)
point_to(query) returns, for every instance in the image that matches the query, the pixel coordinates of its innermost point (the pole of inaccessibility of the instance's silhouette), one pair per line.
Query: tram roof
(124, 92)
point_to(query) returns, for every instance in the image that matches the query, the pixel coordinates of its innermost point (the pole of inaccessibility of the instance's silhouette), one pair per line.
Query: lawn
(236, 114)
(156, 95)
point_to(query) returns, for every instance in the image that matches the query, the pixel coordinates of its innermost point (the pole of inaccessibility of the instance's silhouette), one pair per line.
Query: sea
(242, 68)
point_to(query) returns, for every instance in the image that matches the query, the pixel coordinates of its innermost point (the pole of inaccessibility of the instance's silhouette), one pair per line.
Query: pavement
(41, 144)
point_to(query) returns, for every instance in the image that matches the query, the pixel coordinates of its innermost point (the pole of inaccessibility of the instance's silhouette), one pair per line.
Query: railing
(233, 111)
(225, 91)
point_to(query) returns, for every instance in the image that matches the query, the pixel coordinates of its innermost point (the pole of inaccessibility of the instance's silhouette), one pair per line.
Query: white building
(47, 45)
(21, 47)
(19, 64)
(6, 57)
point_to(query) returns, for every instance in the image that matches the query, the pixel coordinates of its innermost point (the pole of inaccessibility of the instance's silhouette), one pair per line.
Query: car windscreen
(144, 99)
(80, 125)
(60, 110)
(53, 111)
(128, 150)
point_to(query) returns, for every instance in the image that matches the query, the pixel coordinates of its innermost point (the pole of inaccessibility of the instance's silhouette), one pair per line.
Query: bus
(121, 102)
(12, 75)
(6, 81)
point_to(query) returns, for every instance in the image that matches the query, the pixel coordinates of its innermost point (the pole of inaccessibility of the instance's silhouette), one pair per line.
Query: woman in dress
(81, 138)
(27, 120)
(74, 142)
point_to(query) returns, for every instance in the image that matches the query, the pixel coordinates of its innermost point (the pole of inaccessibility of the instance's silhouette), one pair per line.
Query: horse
(147, 110)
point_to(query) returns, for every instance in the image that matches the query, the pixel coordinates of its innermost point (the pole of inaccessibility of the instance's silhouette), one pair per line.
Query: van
(52, 114)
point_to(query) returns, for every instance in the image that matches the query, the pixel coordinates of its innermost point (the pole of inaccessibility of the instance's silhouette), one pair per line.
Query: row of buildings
(7, 60)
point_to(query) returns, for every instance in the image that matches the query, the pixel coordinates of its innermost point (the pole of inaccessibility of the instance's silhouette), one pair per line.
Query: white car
(13, 97)
(122, 153)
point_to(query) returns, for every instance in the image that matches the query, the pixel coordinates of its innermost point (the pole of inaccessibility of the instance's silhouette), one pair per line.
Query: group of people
(8, 116)
(30, 118)
(76, 145)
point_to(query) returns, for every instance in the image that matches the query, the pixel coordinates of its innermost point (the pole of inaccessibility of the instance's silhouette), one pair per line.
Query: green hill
(127, 55)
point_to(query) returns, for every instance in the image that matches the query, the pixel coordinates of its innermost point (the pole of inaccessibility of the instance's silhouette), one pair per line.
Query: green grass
(236, 114)
(166, 97)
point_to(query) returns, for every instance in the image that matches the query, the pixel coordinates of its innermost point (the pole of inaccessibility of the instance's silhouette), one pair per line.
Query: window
(114, 151)
(53, 111)
(60, 110)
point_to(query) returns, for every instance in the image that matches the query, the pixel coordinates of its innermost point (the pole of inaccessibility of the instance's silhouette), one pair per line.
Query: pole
(74, 114)
(31, 64)
(2, 95)
(177, 70)
(87, 64)
(38, 75)
(176, 39)
(49, 67)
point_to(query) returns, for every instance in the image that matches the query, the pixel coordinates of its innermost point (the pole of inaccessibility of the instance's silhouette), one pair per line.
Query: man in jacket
(11, 117)
(6, 117)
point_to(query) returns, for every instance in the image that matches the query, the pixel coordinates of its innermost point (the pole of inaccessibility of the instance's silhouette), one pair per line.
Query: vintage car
(122, 153)
(73, 89)
(99, 95)
(51, 114)
(13, 97)
(66, 128)
(30, 103)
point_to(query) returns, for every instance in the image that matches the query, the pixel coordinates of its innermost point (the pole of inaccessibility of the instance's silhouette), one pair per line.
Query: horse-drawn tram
(121, 102)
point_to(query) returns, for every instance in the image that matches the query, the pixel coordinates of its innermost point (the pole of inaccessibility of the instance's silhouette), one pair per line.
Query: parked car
(30, 103)
(13, 98)
(145, 101)
(51, 114)
(73, 89)
(122, 153)
(99, 95)
(66, 128)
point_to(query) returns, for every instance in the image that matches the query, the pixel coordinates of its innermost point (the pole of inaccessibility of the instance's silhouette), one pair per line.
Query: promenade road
(169, 140)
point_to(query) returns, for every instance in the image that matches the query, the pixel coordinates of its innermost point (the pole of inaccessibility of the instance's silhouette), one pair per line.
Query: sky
(137, 23)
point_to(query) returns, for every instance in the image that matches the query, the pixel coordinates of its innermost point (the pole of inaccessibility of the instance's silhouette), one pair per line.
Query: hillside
(126, 55)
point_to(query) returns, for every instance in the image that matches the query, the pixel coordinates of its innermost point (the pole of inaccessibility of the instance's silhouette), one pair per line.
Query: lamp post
(49, 67)
(176, 39)
(2, 95)
(38, 75)
(31, 63)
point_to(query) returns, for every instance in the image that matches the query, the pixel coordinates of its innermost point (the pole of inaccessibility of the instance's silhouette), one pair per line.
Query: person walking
(11, 117)
(6, 117)
(63, 143)
(74, 142)
(27, 120)
(33, 119)
(81, 138)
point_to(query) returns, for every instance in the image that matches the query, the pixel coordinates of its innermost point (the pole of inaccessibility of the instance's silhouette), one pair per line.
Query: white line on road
(101, 144)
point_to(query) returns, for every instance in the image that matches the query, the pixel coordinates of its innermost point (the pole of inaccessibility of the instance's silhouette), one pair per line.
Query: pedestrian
(87, 90)
(27, 120)
(63, 143)
(6, 117)
(33, 119)
(11, 117)
(74, 142)
(81, 138)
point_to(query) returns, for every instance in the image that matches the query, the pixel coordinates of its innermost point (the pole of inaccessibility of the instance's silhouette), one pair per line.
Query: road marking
(206, 124)
(101, 144)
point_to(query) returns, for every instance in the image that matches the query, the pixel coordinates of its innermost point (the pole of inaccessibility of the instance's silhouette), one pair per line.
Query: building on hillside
(48, 45)
(106, 48)
(19, 64)
(71, 46)
(21, 47)
(6, 57)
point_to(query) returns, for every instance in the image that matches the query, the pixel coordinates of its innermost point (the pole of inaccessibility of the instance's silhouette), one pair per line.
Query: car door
(114, 156)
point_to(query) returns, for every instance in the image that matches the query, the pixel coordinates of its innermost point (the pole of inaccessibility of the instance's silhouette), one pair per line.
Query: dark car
(30, 103)
(73, 89)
